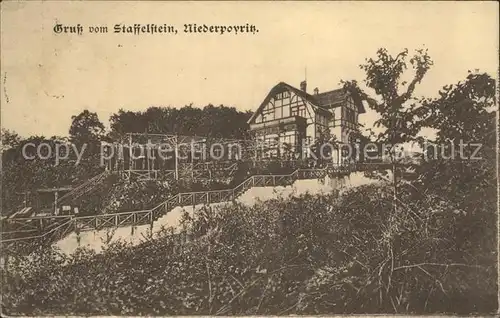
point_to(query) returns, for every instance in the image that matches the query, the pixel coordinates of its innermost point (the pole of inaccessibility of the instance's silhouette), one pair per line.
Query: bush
(308, 255)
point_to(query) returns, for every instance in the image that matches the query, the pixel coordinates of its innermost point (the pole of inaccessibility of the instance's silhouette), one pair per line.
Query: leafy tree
(86, 128)
(209, 121)
(26, 172)
(86, 132)
(461, 161)
(324, 146)
(451, 200)
(224, 122)
(465, 120)
(400, 112)
(465, 113)
(126, 122)
(10, 139)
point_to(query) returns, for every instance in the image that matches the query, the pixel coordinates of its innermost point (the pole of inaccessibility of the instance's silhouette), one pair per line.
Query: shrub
(320, 254)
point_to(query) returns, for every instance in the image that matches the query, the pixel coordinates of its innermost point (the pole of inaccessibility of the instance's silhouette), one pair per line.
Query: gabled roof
(331, 98)
(334, 98)
(323, 101)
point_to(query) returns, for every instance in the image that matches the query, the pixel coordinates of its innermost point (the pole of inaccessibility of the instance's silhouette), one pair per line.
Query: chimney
(303, 86)
(316, 91)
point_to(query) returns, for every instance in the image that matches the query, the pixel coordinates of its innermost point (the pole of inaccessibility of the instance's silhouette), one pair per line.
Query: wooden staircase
(83, 189)
(54, 228)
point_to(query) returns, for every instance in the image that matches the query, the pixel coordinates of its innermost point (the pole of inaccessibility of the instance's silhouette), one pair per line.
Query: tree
(464, 112)
(126, 122)
(86, 128)
(210, 121)
(10, 139)
(448, 210)
(400, 112)
(86, 132)
(461, 188)
(463, 171)
(400, 121)
(319, 146)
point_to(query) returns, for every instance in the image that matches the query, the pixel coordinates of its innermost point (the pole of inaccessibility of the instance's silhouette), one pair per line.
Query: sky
(46, 77)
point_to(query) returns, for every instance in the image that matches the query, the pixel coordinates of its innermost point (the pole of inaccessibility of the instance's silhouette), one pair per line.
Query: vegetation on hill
(307, 255)
(425, 244)
(209, 121)
(87, 131)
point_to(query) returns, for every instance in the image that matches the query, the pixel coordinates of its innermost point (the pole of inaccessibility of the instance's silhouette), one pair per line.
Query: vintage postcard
(249, 158)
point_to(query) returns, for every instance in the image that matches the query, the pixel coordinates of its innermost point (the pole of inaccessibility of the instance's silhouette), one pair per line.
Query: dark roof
(298, 92)
(324, 101)
(330, 99)
(310, 98)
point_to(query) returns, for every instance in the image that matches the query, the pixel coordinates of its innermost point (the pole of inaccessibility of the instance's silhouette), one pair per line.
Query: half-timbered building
(291, 117)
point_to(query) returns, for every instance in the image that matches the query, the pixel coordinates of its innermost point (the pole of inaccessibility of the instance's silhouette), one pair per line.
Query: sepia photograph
(249, 158)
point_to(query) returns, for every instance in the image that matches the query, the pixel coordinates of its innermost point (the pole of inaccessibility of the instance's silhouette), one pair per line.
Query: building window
(278, 112)
(298, 111)
(282, 95)
(286, 111)
(321, 120)
(350, 116)
(268, 113)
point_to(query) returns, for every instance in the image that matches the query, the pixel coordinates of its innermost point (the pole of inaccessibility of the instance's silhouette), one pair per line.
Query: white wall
(135, 235)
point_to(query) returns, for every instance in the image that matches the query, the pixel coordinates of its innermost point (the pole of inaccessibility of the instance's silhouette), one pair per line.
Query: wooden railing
(44, 229)
(54, 228)
(208, 170)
